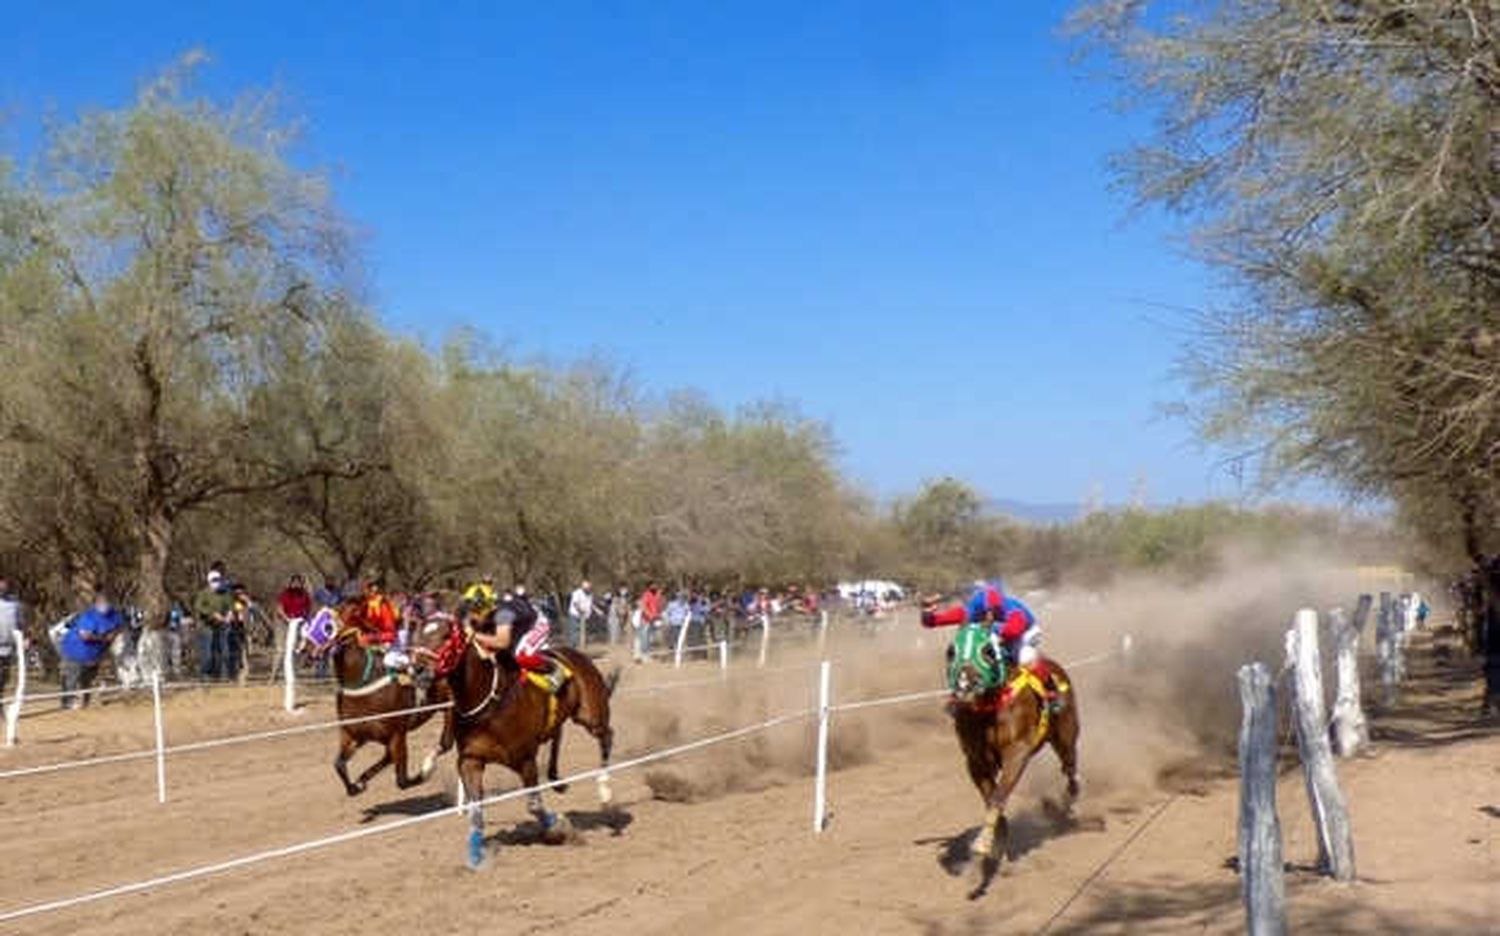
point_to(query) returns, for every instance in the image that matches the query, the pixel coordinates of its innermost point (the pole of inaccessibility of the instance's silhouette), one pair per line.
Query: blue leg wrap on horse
(476, 848)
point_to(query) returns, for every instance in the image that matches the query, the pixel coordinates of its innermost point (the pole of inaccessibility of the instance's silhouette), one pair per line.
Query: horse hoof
(606, 795)
(429, 763)
(475, 858)
(556, 829)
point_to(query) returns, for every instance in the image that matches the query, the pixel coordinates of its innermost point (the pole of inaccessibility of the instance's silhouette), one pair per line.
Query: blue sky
(897, 215)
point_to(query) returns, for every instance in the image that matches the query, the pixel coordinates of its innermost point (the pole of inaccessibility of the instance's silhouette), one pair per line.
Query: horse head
(437, 646)
(974, 665)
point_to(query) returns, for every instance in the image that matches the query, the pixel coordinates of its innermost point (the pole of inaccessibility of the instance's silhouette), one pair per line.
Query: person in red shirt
(649, 615)
(295, 601)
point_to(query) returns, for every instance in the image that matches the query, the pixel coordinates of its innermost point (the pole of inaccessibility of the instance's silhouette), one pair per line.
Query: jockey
(481, 596)
(378, 619)
(523, 630)
(1012, 624)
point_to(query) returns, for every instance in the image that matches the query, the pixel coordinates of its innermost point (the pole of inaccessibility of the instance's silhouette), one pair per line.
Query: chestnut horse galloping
(365, 689)
(1001, 723)
(502, 717)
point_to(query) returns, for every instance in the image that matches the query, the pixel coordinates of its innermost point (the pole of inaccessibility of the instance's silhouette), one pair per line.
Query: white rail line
(219, 742)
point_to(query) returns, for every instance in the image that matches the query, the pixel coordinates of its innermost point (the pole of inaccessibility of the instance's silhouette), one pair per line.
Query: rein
(494, 690)
(450, 656)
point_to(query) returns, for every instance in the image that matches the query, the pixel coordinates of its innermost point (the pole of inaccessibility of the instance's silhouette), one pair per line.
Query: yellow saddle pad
(545, 684)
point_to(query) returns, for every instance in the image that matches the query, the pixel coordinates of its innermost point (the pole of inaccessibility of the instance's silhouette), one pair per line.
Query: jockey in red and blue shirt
(1013, 623)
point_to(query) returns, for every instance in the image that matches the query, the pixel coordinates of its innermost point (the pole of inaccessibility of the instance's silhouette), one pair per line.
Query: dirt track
(720, 840)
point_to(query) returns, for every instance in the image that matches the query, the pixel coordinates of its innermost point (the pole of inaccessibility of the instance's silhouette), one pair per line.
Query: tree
(162, 267)
(1340, 162)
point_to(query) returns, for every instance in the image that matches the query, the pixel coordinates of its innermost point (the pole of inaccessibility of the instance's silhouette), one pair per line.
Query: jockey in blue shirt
(1013, 624)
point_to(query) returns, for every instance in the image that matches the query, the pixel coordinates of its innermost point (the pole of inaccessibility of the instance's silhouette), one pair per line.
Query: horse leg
(606, 737)
(554, 826)
(445, 742)
(1064, 740)
(377, 767)
(552, 760)
(996, 830)
(593, 715)
(396, 751)
(471, 777)
(347, 747)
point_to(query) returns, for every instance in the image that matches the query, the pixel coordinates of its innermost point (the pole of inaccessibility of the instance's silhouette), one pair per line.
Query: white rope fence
(219, 742)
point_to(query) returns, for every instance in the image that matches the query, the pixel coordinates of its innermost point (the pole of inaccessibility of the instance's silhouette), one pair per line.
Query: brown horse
(364, 690)
(1000, 731)
(503, 718)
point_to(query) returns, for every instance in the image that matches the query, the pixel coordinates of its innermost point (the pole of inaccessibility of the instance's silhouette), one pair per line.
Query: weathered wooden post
(1262, 886)
(1330, 814)
(1362, 612)
(1350, 732)
(1385, 650)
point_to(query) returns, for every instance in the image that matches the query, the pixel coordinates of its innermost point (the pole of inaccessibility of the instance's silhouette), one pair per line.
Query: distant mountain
(1035, 513)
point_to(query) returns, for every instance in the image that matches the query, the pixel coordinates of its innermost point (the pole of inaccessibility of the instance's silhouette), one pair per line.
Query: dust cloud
(1163, 717)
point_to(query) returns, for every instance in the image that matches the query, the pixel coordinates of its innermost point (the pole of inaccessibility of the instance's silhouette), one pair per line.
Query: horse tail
(611, 681)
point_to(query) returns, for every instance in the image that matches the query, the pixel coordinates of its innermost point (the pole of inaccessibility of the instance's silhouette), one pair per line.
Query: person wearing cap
(214, 608)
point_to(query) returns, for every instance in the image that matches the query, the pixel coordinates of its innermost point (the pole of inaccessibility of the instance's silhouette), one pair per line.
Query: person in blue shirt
(84, 645)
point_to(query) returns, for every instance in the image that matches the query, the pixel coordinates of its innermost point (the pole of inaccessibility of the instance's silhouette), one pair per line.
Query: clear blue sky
(895, 214)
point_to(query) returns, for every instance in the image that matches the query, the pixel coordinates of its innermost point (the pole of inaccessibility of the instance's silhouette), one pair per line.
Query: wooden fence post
(1330, 814)
(1385, 650)
(1262, 885)
(1362, 612)
(1350, 732)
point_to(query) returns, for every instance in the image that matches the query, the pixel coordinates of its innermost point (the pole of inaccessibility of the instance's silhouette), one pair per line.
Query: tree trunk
(151, 569)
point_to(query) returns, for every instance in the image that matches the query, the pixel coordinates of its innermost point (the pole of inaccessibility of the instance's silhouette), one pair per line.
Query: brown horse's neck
(350, 662)
(474, 678)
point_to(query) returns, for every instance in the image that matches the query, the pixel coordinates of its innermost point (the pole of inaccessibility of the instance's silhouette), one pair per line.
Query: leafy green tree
(1339, 161)
(165, 262)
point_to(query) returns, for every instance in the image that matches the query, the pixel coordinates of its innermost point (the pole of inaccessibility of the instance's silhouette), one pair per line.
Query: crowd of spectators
(208, 633)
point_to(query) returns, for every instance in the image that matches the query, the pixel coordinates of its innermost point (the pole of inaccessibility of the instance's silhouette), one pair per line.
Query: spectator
(293, 607)
(295, 602)
(328, 594)
(83, 646)
(580, 609)
(679, 615)
(214, 606)
(12, 625)
(177, 621)
(618, 611)
(701, 607)
(649, 616)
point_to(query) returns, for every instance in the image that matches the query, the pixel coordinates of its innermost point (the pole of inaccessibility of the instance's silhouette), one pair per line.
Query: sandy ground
(720, 840)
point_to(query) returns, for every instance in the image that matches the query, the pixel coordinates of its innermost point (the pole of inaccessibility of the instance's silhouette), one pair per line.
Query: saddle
(1048, 686)
(553, 682)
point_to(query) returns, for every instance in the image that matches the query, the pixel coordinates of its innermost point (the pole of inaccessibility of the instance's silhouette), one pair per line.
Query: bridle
(446, 658)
